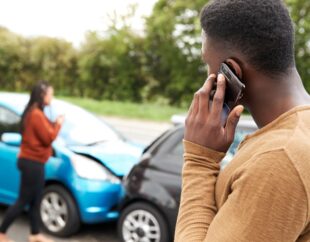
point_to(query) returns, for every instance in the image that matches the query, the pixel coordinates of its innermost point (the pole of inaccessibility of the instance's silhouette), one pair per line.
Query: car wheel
(142, 222)
(58, 212)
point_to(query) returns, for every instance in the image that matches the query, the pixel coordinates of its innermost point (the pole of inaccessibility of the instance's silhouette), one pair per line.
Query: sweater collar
(277, 122)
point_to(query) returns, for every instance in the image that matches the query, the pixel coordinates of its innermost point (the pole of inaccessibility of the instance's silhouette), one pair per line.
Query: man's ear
(235, 67)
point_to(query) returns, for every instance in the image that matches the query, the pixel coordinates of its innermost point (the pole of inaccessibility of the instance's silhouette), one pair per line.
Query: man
(264, 193)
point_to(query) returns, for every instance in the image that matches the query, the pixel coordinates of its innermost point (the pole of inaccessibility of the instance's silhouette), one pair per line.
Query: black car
(153, 187)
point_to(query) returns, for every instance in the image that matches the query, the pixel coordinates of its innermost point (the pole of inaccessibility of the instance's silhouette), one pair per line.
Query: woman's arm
(44, 130)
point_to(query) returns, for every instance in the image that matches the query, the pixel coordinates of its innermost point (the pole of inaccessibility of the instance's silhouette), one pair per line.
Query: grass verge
(145, 111)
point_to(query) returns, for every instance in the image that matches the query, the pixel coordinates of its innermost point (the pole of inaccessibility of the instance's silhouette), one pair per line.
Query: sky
(67, 19)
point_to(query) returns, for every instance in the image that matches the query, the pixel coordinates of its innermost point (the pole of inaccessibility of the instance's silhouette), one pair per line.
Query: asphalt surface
(106, 232)
(139, 131)
(135, 130)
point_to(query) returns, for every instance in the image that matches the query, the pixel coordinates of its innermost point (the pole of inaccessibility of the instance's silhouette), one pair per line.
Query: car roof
(17, 101)
(14, 101)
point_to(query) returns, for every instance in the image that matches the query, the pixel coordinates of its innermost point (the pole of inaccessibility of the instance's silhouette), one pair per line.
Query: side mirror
(13, 139)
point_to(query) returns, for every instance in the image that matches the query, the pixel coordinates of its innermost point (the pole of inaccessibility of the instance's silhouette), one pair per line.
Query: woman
(38, 133)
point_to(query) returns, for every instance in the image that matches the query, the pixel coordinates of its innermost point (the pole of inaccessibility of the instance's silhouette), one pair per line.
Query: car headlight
(90, 169)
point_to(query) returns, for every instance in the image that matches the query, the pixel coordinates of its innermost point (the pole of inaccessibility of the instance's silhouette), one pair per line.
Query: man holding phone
(264, 193)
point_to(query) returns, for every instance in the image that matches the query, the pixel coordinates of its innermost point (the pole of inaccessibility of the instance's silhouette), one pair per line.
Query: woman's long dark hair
(36, 100)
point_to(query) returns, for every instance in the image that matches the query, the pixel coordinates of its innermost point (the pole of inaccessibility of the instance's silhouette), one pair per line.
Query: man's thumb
(232, 122)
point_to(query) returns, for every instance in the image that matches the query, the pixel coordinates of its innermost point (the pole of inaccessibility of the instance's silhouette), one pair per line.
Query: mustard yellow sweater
(262, 195)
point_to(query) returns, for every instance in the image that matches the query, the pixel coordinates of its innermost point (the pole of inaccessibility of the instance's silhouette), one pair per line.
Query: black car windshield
(241, 132)
(80, 127)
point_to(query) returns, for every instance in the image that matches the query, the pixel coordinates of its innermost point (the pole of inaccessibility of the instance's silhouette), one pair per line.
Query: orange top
(38, 135)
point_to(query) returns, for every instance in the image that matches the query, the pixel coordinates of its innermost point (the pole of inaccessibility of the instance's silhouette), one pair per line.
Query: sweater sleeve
(268, 202)
(197, 206)
(43, 129)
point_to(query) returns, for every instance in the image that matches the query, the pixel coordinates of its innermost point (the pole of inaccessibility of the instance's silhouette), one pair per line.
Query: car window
(9, 121)
(178, 149)
(173, 143)
(168, 156)
(239, 136)
(151, 146)
(80, 127)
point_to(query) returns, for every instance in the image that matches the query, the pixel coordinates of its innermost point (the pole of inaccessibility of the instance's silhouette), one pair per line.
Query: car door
(168, 162)
(9, 174)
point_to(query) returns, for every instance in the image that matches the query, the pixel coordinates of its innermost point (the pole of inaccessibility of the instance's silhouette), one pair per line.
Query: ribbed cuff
(198, 150)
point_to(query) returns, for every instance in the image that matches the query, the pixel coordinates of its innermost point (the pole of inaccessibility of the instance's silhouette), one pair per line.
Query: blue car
(83, 176)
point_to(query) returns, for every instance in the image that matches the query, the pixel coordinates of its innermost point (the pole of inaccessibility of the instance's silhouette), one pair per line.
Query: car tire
(128, 231)
(57, 202)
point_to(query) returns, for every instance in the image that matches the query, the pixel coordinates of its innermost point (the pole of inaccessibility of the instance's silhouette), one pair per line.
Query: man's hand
(203, 123)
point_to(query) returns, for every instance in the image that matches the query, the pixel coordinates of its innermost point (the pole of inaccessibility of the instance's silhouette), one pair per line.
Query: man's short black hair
(261, 30)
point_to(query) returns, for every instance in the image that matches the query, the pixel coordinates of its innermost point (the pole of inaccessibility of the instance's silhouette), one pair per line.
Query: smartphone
(234, 86)
(233, 93)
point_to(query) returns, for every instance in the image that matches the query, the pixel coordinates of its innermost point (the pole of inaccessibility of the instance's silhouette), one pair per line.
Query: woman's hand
(203, 123)
(60, 119)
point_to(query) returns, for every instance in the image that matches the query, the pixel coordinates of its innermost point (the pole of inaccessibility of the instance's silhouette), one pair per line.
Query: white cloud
(68, 19)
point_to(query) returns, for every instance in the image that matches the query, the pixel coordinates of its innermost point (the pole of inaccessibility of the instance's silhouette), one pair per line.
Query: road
(19, 231)
(138, 131)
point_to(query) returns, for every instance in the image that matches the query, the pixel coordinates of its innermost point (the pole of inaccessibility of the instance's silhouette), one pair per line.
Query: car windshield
(80, 127)
(239, 136)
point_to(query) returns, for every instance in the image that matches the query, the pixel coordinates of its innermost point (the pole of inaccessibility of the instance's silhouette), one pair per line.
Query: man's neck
(278, 97)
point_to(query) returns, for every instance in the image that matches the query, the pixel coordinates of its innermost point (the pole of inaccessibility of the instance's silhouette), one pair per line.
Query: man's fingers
(232, 122)
(204, 95)
(218, 100)
(193, 110)
(200, 103)
(190, 110)
(207, 86)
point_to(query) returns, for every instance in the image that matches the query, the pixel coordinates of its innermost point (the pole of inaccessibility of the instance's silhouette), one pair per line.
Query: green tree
(174, 43)
(23, 61)
(12, 56)
(113, 66)
(53, 60)
(173, 50)
(162, 64)
(300, 13)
